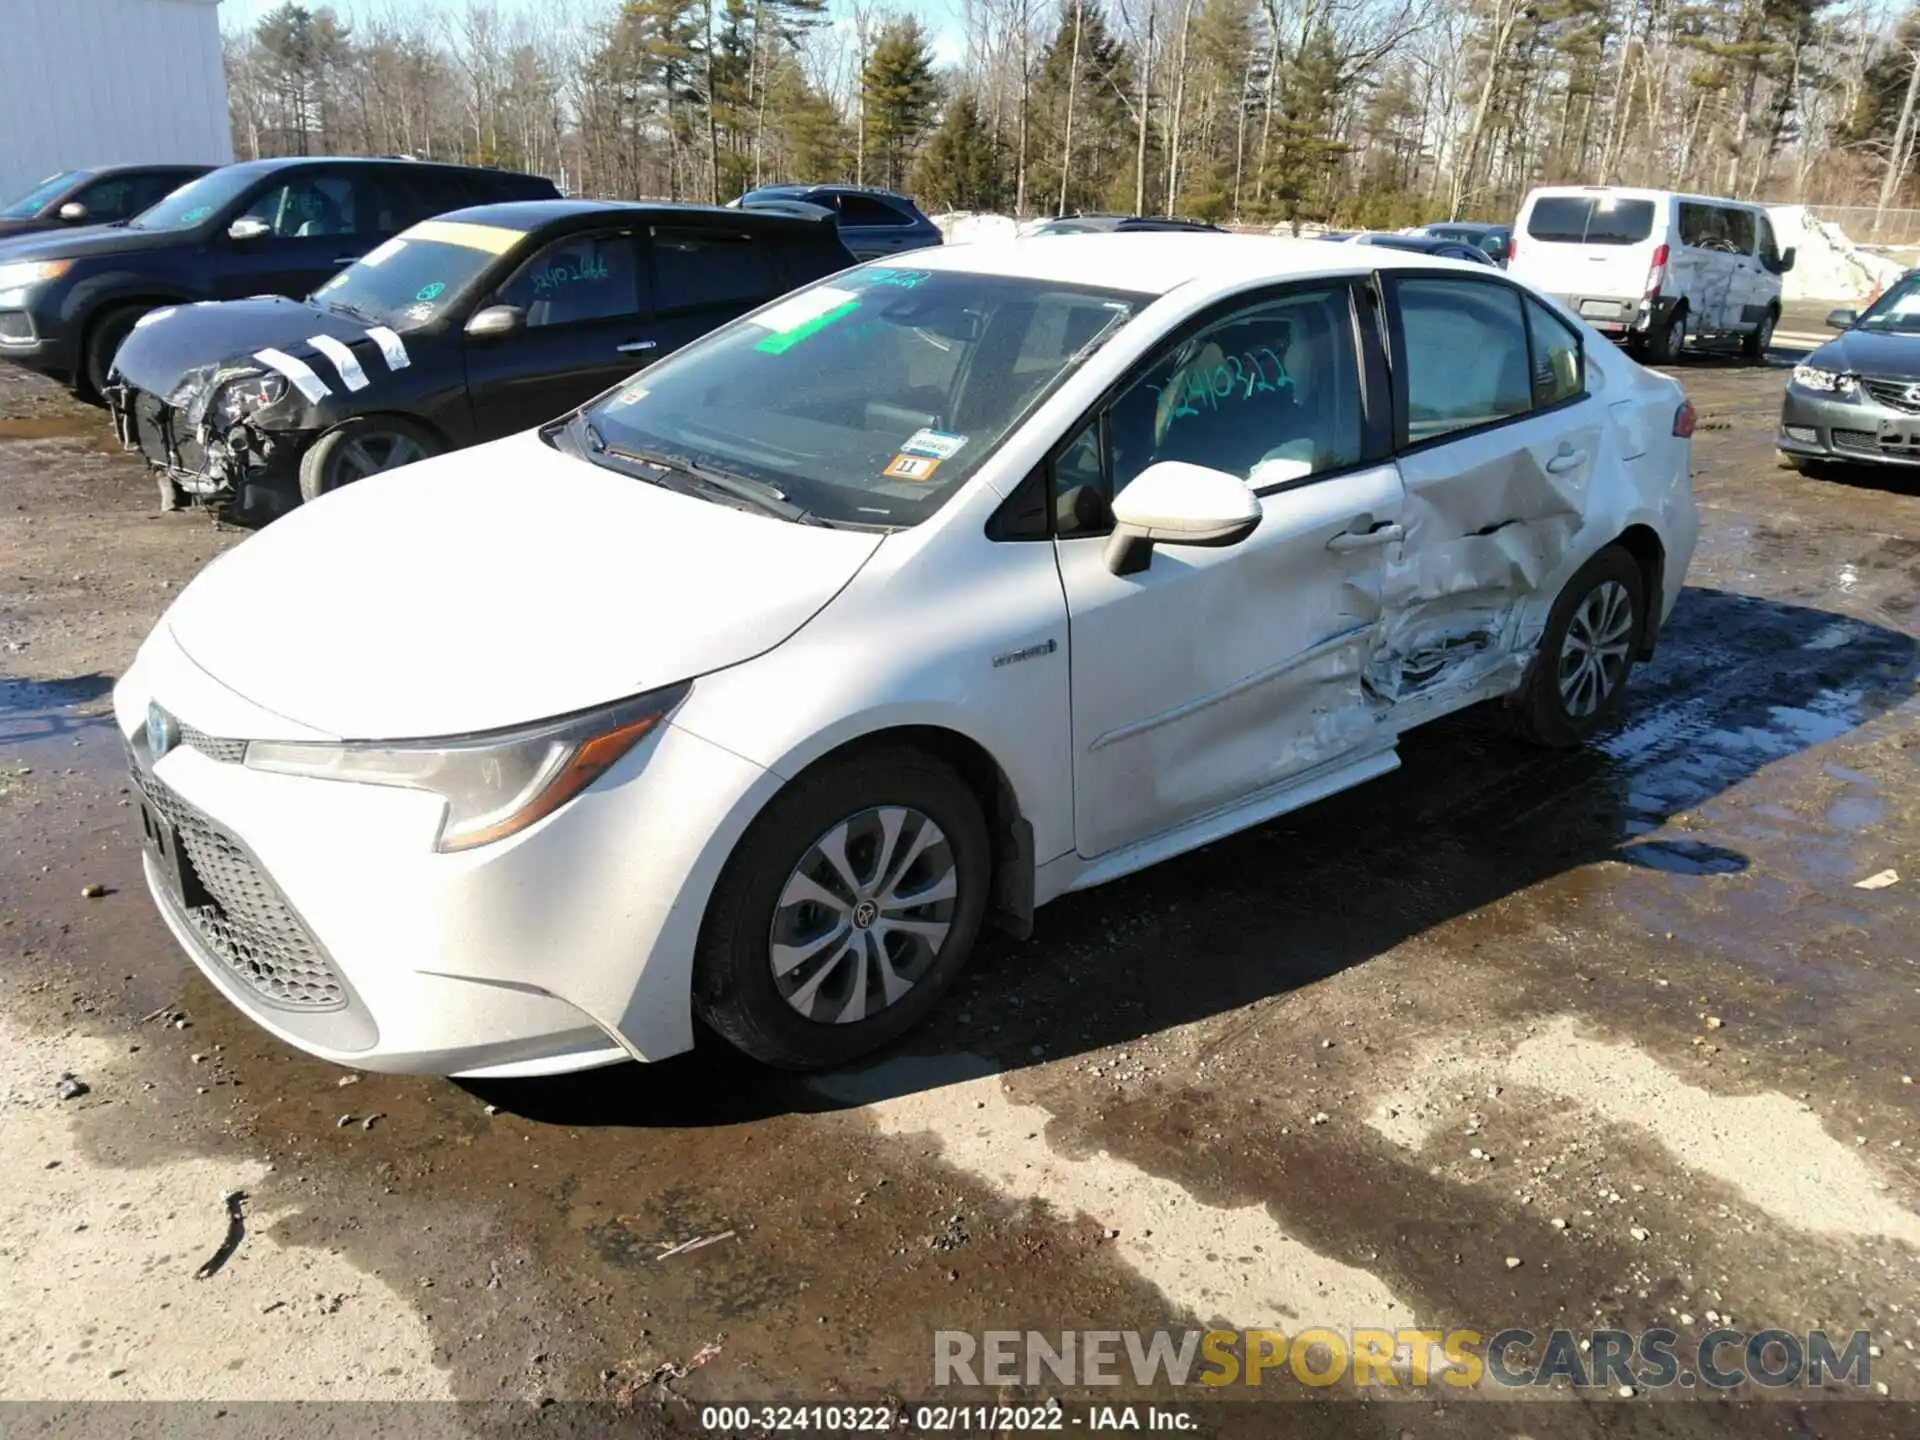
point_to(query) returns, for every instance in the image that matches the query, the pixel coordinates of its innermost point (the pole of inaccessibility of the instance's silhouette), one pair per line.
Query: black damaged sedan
(1857, 398)
(467, 327)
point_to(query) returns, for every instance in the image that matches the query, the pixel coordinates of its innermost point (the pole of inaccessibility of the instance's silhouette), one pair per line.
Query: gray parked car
(1857, 397)
(872, 222)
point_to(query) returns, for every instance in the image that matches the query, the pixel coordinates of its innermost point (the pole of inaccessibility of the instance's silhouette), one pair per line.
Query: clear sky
(941, 17)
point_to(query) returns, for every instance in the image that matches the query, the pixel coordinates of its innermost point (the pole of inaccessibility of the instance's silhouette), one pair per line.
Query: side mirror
(492, 321)
(1174, 503)
(73, 213)
(248, 227)
(1841, 319)
(1497, 249)
(1786, 259)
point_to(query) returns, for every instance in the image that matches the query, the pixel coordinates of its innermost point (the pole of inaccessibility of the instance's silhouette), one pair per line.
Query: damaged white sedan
(901, 606)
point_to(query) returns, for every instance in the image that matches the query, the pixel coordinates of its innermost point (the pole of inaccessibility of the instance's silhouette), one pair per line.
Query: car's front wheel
(847, 909)
(356, 449)
(1578, 679)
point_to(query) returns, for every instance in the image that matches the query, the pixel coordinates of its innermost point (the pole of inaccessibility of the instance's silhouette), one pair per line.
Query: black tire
(1540, 710)
(354, 449)
(104, 338)
(734, 987)
(1755, 346)
(1665, 344)
(1804, 465)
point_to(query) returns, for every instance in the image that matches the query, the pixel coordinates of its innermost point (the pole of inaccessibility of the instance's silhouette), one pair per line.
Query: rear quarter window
(1590, 220)
(865, 210)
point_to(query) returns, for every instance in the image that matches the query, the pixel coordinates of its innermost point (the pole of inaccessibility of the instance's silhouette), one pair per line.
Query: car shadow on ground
(1473, 816)
(34, 712)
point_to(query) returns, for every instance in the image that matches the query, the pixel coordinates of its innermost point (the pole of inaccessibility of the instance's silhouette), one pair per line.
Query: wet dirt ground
(1613, 1038)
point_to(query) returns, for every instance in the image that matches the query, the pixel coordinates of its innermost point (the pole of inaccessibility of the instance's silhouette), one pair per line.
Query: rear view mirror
(1174, 503)
(248, 227)
(492, 321)
(1841, 319)
(73, 212)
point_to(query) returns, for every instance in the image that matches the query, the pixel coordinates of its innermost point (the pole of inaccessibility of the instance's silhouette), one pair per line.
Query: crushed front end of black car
(200, 445)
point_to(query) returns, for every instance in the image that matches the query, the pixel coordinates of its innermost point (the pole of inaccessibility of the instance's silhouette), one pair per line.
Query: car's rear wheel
(356, 449)
(1754, 346)
(1665, 343)
(104, 339)
(849, 906)
(1578, 680)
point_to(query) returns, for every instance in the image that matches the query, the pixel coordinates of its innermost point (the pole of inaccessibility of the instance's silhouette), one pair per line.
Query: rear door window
(693, 269)
(865, 210)
(1590, 220)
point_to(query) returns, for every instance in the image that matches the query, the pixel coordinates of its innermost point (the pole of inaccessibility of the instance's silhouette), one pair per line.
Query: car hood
(499, 585)
(176, 351)
(1861, 352)
(85, 242)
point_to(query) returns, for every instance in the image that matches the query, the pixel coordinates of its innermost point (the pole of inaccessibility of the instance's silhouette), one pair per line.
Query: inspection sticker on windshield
(937, 444)
(911, 467)
(632, 395)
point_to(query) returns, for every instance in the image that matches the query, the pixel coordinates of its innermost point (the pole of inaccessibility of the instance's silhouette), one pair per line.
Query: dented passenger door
(1498, 438)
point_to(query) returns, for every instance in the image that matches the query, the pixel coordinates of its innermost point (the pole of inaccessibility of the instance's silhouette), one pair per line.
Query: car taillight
(1513, 247)
(1684, 419)
(1656, 272)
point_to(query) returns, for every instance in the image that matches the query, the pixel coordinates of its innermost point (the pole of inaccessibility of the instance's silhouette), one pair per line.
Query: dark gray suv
(872, 222)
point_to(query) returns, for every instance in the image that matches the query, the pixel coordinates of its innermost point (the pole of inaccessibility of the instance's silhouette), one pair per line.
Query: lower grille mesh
(249, 927)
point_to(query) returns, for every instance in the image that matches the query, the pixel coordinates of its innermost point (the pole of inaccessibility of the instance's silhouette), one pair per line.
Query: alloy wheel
(861, 919)
(1594, 654)
(374, 452)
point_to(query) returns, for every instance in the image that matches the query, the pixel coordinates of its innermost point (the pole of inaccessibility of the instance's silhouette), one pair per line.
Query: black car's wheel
(104, 338)
(1665, 343)
(847, 909)
(1804, 465)
(1754, 346)
(1578, 679)
(356, 449)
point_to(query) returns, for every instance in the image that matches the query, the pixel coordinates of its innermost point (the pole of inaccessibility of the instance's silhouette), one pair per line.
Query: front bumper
(24, 343)
(1824, 425)
(321, 910)
(204, 465)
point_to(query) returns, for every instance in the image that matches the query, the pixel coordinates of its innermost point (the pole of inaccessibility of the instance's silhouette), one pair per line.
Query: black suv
(99, 196)
(265, 227)
(872, 222)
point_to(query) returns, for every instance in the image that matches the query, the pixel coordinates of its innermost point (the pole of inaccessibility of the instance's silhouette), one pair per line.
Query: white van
(1656, 269)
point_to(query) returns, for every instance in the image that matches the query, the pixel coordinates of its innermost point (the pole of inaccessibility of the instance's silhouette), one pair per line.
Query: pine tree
(963, 167)
(900, 95)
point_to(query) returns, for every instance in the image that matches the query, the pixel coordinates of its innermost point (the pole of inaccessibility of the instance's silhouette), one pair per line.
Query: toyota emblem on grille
(163, 733)
(1911, 394)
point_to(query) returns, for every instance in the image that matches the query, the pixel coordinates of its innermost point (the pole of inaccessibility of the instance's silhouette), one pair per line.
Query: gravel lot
(1626, 1017)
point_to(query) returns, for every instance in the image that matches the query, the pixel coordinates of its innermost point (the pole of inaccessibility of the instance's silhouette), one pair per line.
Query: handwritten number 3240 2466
(568, 273)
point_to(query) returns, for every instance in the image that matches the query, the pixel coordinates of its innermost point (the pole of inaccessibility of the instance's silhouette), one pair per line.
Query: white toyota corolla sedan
(904, 605)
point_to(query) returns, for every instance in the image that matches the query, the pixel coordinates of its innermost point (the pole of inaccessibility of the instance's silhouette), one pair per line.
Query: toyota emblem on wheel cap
(162, 733)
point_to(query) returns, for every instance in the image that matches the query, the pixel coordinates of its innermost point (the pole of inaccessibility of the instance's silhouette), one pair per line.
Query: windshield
(870, 398)
(35, 200)
(1590, 220)
(414, 277)
(195, 202)
(1897, 311)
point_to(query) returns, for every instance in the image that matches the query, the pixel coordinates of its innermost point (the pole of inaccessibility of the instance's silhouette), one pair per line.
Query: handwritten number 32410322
(552, 277)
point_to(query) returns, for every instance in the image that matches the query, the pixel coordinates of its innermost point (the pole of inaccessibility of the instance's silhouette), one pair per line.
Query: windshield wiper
(353, 312)
(758, 493)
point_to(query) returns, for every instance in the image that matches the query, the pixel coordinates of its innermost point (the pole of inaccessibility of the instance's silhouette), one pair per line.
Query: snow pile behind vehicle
(1827, 265)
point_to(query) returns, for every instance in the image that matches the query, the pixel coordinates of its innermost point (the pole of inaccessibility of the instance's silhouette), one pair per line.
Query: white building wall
(100, 82)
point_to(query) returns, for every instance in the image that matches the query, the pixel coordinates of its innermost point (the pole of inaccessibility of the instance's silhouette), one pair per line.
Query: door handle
(1384, 534)
(1569, 460)
(637, 347)
(347, 259)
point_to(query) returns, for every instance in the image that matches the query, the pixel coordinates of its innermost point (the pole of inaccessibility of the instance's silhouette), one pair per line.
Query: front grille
(227, 752)
(1892, 394)
(1863, 442)
(247, 924)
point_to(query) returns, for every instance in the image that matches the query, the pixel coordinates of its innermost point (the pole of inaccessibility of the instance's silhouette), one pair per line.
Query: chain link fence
(1867, 225)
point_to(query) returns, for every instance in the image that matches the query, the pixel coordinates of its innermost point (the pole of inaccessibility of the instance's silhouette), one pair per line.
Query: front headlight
(495, 784)
(1812, 377)
(240, 398)
(22, 273)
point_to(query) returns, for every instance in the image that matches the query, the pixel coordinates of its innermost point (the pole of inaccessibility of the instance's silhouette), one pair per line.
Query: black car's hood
(85, 242)
(1862, 352)
(177, 351)
(14, 229)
